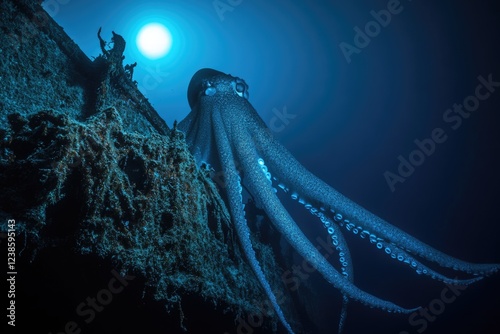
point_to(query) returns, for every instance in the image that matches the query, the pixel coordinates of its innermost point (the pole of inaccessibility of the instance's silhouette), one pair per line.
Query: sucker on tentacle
(225, 131)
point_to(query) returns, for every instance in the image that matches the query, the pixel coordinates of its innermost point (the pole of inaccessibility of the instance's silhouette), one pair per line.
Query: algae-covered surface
(116, 227)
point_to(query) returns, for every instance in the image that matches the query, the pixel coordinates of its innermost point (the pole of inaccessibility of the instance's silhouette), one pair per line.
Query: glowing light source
(154, 40)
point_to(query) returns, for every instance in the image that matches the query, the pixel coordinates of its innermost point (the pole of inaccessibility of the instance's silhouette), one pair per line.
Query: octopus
(225, 132)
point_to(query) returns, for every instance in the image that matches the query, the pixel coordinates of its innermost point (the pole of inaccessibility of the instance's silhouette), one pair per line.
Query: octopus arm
(234, 194)
(347, 213)
(262, 189)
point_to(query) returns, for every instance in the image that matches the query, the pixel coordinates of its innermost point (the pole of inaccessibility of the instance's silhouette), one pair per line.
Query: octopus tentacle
(345, 260)
(340, 244)
(318, 192)
(396, 252)
(392, 250)
(234, 189)
(338, 241)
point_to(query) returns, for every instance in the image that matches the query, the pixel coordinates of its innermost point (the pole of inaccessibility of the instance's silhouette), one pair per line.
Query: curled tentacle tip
(492, 269)
(464, 281)
(411, 310)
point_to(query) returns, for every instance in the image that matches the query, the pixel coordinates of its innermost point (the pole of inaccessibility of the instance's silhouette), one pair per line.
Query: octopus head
(209, 82)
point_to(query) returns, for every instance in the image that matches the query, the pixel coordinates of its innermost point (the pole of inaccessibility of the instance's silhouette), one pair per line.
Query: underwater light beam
(154, 40)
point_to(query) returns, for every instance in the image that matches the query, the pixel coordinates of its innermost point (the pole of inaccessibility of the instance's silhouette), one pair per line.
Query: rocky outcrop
(99, 186)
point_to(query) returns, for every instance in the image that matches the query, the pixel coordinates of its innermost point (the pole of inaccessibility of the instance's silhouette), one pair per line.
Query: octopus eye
(241, 88)
(210, 91)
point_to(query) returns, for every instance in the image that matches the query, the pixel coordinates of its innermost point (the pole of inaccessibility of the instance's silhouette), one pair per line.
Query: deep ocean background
(352, 121)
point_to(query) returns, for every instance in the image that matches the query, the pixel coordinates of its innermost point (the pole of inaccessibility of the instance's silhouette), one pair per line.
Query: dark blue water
(353, 117)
